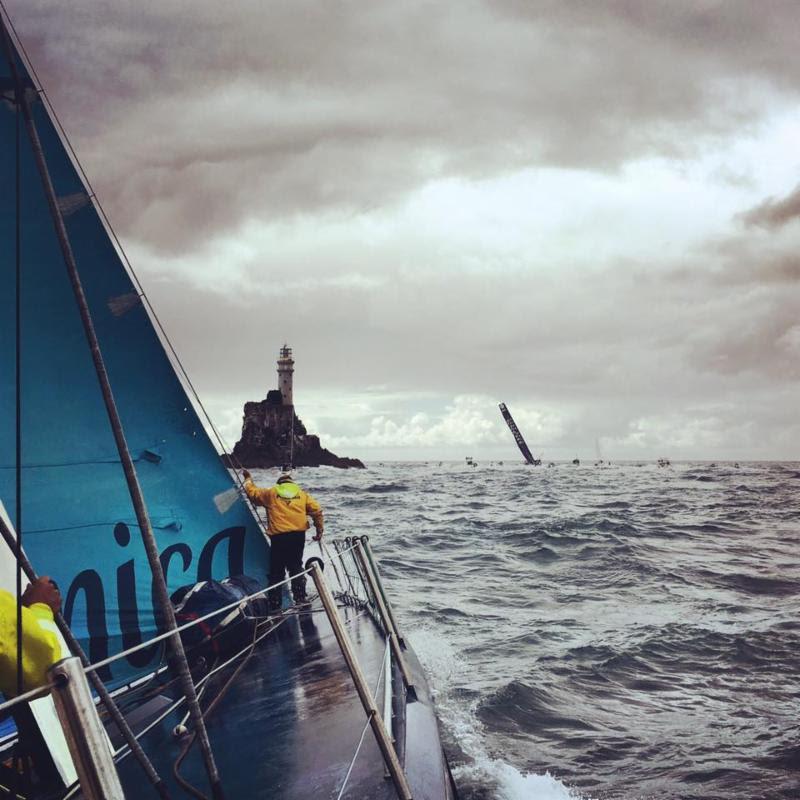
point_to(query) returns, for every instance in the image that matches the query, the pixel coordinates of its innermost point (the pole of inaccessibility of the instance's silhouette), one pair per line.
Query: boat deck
(289, 724)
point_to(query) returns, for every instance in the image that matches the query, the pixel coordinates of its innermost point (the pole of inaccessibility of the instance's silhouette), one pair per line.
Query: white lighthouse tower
(285, 372)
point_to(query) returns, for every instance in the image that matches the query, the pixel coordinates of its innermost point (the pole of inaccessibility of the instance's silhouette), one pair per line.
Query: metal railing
(359, 585)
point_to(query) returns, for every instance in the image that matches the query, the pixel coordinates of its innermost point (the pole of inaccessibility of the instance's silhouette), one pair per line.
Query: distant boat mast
(523, 447)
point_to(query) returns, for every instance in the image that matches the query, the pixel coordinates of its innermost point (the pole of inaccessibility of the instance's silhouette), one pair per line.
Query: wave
(748, 583)
(386, 488)
(479, 774)
(636, 631)
(700, 478)
(518, 706)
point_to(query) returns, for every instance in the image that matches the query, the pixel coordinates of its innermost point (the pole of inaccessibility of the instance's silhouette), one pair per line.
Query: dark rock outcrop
(265, 442)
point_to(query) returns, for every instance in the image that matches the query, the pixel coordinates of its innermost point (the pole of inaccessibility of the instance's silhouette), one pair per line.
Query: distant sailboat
(523, 447)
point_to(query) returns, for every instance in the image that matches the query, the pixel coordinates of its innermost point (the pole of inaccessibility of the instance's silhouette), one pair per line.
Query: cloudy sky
(588, 210)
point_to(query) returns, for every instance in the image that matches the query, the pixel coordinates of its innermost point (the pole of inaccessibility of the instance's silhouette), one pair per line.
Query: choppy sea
(596, 632)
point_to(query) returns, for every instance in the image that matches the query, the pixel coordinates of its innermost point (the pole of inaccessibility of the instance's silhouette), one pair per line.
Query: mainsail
(76, 515)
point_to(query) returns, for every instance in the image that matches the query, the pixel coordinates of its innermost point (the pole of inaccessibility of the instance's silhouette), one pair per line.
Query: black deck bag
(223, 634)
(257, 606)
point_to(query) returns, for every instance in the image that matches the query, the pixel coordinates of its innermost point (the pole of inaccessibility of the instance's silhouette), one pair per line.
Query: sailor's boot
(299, 591)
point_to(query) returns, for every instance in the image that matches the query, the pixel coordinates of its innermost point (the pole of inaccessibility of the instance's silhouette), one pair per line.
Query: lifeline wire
(363, 733)
(42, 690)
(193, 622)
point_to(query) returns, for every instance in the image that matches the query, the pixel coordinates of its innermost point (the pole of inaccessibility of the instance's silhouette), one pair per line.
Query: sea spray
(481, 772)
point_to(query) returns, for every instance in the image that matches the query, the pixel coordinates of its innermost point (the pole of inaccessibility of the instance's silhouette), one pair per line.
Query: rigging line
(179, 629)
(31, 694)
(355, 756)
(18, 375)
(18, 518)
(43, 691)
(364, 732)
(291, 441)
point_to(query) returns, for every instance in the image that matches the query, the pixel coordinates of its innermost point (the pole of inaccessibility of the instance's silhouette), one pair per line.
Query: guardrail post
(362, 687)
(86, 737)
(379, 581)
(388, 625)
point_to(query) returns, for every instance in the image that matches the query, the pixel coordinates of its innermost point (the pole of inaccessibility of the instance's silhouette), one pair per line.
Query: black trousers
(286, 555)
(31, 746)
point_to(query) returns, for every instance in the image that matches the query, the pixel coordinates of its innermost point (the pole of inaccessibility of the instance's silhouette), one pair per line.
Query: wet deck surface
(288, 726)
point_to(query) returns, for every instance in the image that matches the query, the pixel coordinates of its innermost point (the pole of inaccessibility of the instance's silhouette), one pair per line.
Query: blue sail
(76, 514)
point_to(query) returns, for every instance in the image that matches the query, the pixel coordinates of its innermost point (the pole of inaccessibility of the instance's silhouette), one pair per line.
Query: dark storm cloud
(774, 213)
(237, 147)
(194, 117)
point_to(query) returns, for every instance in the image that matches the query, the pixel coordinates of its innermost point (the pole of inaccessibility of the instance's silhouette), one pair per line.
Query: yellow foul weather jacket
(288, 507)
(40, 645)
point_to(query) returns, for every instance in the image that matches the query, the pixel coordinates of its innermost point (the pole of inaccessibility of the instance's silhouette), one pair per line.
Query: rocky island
(274, 436)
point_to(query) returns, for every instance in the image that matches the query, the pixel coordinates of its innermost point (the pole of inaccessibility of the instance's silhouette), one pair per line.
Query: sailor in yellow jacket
(40, 644)
(288, 509)
(41, 648)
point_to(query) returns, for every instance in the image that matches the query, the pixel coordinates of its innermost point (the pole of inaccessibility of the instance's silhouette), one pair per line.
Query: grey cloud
(608, 338)
(774, 213)
(190, 119)
(194, 121)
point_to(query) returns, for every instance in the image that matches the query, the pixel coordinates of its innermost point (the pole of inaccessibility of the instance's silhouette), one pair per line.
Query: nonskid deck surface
(288, 726)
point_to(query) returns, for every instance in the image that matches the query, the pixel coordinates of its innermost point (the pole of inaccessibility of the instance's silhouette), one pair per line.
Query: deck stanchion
(86, 737)
(391, 633)
(382, 738)
(374, 565)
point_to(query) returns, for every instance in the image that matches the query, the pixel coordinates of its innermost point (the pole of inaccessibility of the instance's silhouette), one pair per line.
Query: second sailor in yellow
(288, 509)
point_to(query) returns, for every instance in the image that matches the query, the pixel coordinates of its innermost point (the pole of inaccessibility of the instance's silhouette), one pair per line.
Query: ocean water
(618, 632)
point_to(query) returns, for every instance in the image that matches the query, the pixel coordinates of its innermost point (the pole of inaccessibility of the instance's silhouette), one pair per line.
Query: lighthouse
(285, 372)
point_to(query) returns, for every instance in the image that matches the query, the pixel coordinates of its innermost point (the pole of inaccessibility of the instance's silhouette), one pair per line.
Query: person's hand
(318, 537)
(42, 590)
(245, 474)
